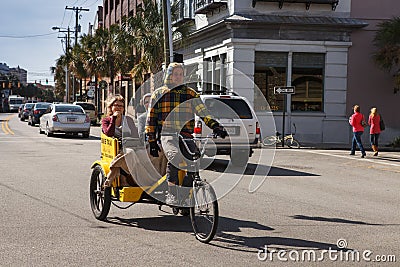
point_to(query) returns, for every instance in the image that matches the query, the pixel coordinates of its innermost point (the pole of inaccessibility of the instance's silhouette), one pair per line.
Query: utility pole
(67, 51)
(77, 29)
(77, 26)
(168, 49)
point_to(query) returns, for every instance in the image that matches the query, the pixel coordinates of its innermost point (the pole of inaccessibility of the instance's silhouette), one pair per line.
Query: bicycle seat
(278, 134)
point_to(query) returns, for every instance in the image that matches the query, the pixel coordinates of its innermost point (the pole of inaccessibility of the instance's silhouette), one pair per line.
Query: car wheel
(29, 120)
(239, 158)
(85, 135)
(32, 123)
(40, 130)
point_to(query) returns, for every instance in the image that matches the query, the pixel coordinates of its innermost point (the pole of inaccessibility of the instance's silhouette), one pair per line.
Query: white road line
(348, 157)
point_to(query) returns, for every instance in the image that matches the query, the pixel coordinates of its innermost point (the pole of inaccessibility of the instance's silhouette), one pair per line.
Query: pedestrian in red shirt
(375, 129)
(356, 120)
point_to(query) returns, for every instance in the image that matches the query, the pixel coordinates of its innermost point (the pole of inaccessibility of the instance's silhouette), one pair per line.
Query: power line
(25, 36)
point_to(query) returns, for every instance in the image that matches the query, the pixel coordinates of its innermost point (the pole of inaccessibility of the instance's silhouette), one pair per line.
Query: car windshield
(232, 109)
(75, 109)
(86, 106)
(16, 101)
(42, 105)
(29, 105)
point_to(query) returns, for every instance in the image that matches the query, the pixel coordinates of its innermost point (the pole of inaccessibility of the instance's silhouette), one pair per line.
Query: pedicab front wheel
(204, 212)
(100, 199)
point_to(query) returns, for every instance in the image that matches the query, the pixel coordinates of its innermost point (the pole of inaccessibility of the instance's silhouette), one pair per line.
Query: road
(309, 201)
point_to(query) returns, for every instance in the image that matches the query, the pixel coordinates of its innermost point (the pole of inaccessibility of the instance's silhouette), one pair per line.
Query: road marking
(349, 157)
(5, 127)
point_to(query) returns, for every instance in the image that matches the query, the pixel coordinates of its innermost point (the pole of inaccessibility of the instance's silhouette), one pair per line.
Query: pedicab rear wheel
(204, 212)
(100, 198)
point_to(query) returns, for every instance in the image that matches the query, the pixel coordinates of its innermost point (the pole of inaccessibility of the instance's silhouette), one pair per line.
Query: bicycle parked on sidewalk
(277, 139)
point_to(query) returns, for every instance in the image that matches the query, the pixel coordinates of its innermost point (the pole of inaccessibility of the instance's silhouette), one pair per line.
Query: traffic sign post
(284, 90)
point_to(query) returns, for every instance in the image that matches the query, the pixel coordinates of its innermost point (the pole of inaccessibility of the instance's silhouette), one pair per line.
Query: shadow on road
(220, 165)
(324, 219)
(160, 223)
(228, 239)
(386, 158)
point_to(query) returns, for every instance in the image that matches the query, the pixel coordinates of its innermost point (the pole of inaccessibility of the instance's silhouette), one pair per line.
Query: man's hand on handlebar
(154, 149)
(220, 131)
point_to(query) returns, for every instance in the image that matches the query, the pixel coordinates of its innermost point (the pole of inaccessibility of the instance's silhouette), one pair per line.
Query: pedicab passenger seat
(109, 150)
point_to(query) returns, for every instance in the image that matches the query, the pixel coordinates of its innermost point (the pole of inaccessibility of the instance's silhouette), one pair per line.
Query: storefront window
(215, 79)
(270, 71)
(308, 77)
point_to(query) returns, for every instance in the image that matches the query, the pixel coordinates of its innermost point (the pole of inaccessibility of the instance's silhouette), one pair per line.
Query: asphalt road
(309, 201)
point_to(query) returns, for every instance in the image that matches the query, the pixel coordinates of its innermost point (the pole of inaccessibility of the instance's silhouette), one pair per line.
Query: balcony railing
(185, 12)
(205, 6)
(333, 3)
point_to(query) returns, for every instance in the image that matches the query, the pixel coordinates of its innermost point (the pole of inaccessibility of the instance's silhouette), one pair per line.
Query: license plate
(232, 130)
(71, 119)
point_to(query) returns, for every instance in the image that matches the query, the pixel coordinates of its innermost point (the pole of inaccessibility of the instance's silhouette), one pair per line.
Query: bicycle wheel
(292, 143)
(100, 199)
(204, 212)
(269, 140)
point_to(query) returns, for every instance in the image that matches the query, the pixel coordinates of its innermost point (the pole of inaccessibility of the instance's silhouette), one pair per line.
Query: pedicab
(198, 201)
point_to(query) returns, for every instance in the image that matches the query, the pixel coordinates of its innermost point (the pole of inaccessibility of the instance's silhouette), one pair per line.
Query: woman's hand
(117, 114)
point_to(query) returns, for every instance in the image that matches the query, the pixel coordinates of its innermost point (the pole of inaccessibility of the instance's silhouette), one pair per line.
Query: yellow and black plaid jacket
(172, 111)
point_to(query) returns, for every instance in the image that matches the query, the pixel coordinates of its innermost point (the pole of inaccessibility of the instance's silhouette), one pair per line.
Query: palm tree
(78, 59)
(145, 31)
(387, 41)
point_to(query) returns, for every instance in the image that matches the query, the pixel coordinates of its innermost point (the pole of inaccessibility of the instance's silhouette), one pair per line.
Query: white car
(64, 118)
(239, 120)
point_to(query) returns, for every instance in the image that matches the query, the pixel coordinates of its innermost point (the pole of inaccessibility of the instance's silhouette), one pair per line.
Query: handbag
(363, 122)
(381, 123)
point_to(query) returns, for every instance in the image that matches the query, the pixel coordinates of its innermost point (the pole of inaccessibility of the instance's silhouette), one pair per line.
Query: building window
(308, 77)
(270, 71)
(215, 73)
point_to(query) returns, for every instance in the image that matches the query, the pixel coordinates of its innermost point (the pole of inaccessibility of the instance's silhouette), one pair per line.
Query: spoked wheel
(292, 143)
(100, 199)
(269, 140)
(204, 212)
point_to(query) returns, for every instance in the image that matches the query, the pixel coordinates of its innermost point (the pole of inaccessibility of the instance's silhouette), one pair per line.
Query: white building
(279, 43)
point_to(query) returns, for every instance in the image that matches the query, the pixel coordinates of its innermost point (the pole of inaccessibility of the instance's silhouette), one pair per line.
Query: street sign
(90, 93)
(284, 90)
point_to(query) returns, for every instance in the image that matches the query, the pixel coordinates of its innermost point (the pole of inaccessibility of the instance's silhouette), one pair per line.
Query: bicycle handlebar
(201, 139)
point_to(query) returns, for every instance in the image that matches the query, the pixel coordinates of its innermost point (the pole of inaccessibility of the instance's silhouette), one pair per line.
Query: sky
(26, 36)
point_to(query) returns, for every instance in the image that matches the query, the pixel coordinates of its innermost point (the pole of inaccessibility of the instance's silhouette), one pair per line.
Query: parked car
(20, 110)
(64, 118)
(90, 110)
(237, 116)
(36, 112)
(25, 112)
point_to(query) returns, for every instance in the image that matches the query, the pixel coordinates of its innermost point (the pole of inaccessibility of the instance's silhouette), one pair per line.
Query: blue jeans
(357, 141)
(373, 138)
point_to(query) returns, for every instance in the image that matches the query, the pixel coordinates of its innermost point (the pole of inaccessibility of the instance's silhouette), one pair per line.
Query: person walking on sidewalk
(357, 120)
(375, 129)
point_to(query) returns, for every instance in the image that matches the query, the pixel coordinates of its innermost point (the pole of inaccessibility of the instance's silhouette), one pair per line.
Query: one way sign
(284, 90)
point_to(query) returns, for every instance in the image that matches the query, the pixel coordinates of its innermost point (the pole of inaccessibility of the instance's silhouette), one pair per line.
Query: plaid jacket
(172, 111)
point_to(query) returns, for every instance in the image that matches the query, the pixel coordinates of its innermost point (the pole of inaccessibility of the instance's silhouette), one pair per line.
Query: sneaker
(352, 154)
(171, 200)
(363, 155)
